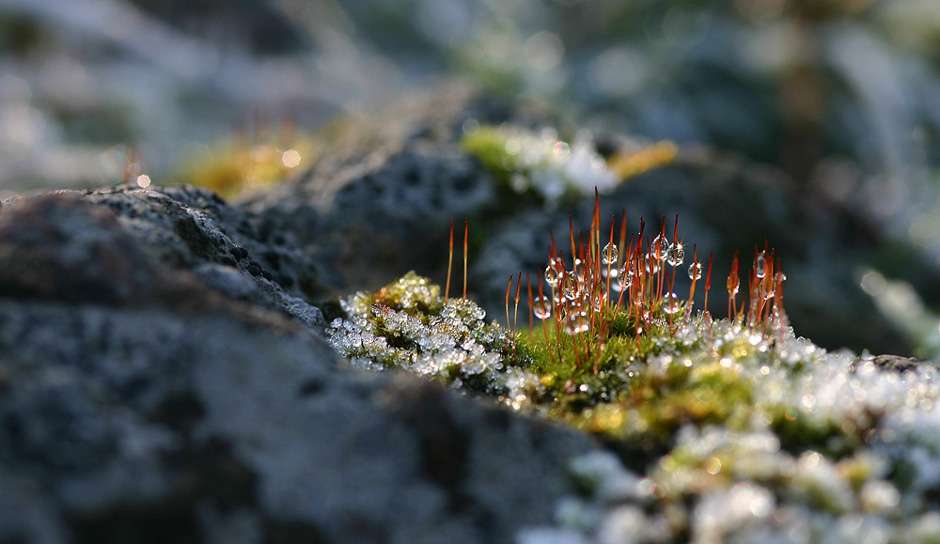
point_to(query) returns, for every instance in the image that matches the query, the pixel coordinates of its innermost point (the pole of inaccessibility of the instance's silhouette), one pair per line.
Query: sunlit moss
(542, 164)
(628, 163)
(235, 166)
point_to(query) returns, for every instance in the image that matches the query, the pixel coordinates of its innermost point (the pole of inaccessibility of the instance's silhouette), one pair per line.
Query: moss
(635, 388)
(540, 164)
(543, 165)
(234, 167)
(488, 145)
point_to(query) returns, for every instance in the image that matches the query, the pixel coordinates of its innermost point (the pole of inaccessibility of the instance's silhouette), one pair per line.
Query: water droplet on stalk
(542, 308)
(577, 323)
(552, 275)
(610, 254)
(671, 303)
(759, 264)
(626, 278)
(571, 286)
(675, 255)
(660, 243)
(695, 271)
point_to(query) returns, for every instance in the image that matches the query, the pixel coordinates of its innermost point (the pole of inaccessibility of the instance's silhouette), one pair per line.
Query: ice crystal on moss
(408, 325)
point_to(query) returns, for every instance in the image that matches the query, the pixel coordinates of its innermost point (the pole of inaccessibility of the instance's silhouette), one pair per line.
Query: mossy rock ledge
(167, 374)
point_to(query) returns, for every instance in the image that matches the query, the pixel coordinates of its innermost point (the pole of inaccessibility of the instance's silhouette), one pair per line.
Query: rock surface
(154, 389)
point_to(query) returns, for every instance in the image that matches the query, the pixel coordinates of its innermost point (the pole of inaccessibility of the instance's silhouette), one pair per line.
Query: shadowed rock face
(155, 387)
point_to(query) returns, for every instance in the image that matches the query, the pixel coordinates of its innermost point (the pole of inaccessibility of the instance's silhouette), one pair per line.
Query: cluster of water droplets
(570, 299)
(574, 294)
(409, 326)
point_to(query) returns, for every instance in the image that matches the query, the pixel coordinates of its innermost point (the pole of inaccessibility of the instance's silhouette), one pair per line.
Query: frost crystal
(407, 325)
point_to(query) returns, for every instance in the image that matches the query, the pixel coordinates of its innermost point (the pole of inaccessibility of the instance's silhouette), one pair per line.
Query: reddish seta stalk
(450, 262)
(733, 284)
(583, 308)
(466, 230)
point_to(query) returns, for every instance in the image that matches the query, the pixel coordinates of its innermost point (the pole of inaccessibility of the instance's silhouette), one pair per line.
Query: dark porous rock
(193, 229)
(153, 390)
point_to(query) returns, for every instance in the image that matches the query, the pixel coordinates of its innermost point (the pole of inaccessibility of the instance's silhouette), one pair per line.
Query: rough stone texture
(137, 404)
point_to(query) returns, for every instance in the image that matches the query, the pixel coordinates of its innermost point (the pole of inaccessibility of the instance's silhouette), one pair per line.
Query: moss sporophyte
(606, 334)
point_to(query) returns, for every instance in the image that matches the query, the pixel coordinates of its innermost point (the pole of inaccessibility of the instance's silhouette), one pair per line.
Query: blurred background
(840, 96)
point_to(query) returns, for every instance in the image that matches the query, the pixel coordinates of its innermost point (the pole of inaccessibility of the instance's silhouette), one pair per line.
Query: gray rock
(139, 404)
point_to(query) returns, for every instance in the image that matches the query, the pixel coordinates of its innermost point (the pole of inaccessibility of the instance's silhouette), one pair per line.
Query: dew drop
(542, 307)
(571, 287)
(609, 272)
(671, 303)
(610, 254)
(695, 271)
(675, 255)
(626, 278)
(576, 323)
(552, 275)
(759, 264)
(661, 244)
